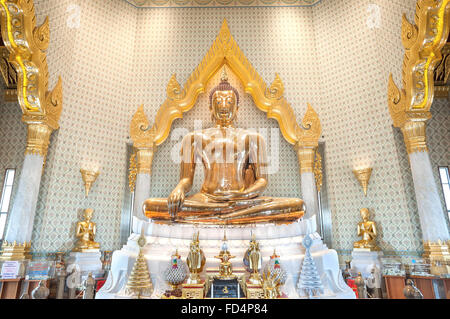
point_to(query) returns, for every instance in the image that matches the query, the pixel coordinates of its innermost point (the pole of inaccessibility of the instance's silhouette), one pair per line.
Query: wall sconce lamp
(363, 177)
(89, 178)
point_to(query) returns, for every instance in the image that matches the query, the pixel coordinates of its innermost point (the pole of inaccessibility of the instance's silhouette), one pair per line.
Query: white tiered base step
(163, 240)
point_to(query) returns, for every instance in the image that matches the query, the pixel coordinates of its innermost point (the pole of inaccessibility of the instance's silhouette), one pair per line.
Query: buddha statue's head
(88, 214)
(364, 214)
(224, 102)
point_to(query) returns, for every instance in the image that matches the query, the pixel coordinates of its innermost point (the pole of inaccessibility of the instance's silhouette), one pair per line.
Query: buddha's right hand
(174, 201)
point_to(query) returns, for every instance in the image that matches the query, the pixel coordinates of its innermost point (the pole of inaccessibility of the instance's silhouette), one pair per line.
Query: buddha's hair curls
(224, 85)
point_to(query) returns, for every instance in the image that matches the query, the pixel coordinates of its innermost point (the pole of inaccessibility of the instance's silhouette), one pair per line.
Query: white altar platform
(163, 240)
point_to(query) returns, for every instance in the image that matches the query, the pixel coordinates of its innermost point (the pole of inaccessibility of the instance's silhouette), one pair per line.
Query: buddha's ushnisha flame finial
(224, 77)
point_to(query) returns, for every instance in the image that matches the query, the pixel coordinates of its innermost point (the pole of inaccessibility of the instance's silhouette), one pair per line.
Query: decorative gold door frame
(224, 51)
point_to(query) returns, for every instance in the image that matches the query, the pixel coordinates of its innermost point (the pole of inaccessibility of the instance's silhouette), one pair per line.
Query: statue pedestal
(89, 261)
(363, 260)
(254, 291)
(163, 240)
(193, 291)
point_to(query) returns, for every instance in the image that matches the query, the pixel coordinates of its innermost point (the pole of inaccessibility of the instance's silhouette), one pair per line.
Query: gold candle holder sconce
(363, 177)
(89, 178)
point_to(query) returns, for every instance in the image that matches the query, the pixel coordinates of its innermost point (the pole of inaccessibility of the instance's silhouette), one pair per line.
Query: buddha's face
(364, 214)
(224, 106)
(88, 214)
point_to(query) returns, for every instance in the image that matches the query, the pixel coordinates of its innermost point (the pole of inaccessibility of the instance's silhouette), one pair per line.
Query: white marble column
(144, 158)
(431, 213)
(21, 219)
(309, 194)
(432, 219)
(306, 156)
(141, 193)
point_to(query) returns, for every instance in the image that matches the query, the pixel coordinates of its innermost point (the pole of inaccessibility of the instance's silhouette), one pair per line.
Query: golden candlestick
(363, 177)
(89, 178)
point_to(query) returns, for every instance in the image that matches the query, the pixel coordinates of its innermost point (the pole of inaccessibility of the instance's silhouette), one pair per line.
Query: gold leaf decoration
(313, 129)
(174, 91)
(318, 174)
(276, 89)
(41, 35)
(423, 42)
(409, 33)
(140, 131)
(132, 172)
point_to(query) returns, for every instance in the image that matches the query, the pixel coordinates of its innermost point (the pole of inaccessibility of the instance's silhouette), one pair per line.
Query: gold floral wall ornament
(224, 51)
(363, 177)
(423, 42)
(89, 177)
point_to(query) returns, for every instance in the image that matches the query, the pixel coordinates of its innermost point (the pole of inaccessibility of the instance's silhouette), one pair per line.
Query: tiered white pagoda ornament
(309, 284)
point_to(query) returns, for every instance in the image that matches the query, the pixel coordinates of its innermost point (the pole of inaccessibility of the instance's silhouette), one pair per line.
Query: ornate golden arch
(224, 51)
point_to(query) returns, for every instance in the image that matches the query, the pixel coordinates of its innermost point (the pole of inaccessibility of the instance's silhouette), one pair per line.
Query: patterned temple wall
(116, 57)
(358, 43)
(13, 136)
(91, 48)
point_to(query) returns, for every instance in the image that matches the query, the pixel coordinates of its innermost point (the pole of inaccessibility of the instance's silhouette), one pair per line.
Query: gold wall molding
(27, 44)
(423, 42)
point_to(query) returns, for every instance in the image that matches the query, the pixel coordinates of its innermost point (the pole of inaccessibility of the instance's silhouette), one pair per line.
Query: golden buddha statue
(368, 231)
(195, 260)
(85, 232)
(225, 267)
(235, 164)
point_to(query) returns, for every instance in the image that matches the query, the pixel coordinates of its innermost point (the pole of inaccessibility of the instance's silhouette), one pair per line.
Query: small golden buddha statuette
(368, 231)
(225, 267)
(85, 232)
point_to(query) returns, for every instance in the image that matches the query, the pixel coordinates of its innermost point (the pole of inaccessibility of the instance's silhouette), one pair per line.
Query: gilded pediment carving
(225, 51)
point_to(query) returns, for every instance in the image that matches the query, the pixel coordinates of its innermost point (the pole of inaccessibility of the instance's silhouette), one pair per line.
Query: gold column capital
(38, 138)
(144, 159)
(414, 133)
(306, 156)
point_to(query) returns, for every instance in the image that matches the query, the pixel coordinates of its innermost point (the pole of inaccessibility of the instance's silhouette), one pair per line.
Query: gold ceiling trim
(27, 44)
(221, 3)
(423, 42)
(225, 51)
